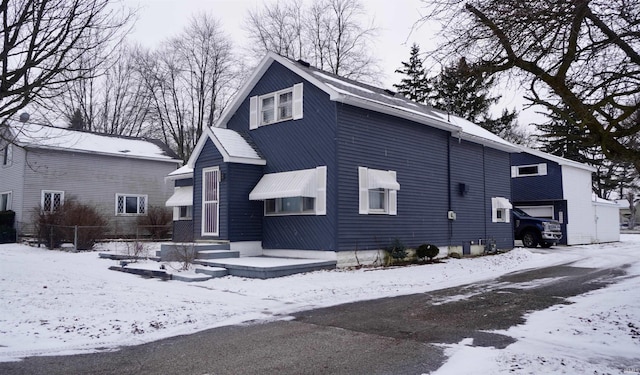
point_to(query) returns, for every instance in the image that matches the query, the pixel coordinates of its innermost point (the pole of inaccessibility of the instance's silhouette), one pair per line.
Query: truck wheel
(530, 239)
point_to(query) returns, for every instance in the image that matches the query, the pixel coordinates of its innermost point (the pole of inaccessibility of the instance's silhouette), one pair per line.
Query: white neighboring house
(549, 186)
(121, 176)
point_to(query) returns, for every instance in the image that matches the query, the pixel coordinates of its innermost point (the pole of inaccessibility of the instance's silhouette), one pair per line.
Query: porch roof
(183, 196)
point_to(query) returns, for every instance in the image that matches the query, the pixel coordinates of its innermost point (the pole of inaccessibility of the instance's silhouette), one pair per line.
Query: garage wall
(576, 186)
(607, 222)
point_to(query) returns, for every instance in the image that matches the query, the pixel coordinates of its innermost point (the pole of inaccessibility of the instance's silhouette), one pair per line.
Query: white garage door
(538, 211)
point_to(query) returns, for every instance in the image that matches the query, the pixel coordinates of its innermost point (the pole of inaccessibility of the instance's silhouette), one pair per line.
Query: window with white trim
(276, 107)
(131, 204)
(185, 212)
(378, 191)
(299, 192)
(500, 210)
(5, 201)
(290, 206)
(51, 200)
(529, 170)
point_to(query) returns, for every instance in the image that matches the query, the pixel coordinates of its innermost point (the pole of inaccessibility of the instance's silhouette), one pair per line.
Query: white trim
(9, 200)
(298, 102)
(369, 179)
(253, 113)
(52, 192)
(124, 203)
(214, 202)
(503, 206)
(310, 183)
(541, 170)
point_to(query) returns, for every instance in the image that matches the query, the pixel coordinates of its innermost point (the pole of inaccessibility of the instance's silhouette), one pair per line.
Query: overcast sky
(162, 19)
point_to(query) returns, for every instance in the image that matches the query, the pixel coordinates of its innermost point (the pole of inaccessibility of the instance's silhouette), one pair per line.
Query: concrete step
(217, 254)
(191, 278)
(176, 251)
(212, 271)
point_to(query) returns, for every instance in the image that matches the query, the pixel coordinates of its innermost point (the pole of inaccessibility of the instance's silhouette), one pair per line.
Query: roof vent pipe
(24, 117)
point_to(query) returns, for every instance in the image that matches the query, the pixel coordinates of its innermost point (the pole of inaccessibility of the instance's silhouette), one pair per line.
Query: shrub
(54, 228)
(396, 250)
(156, 222)
(427, 251)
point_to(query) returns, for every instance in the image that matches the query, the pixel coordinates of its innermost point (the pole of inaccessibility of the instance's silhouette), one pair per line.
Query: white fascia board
(208, 134)
(558, 159)
(62, 149)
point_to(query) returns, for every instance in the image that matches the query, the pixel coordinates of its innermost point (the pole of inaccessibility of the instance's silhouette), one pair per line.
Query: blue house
(308, 164)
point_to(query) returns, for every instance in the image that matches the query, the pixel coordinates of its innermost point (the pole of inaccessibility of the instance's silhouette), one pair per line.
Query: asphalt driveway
(385, 336)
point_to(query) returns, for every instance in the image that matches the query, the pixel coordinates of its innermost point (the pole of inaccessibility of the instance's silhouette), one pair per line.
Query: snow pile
(60, 303)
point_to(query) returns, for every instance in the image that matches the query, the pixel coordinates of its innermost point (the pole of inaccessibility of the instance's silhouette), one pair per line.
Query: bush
(427, 251)
(396, 250)
(54, 228)
(157, 222)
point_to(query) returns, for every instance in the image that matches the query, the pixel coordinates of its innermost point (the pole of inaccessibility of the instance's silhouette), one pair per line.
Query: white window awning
(301, 183)
(501, 203)
(379, 179)
(182, 196)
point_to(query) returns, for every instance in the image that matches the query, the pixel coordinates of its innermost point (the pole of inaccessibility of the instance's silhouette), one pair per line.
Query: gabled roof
(373, 98)
(557, 159)
(31, 135)
(233, 147)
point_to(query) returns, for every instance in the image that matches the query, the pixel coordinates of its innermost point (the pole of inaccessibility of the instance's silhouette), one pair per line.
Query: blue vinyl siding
(467, 167)
(533, 188)
(497, 174)
(210, 157)
(293, 145)
(244, 216)
(417, 153)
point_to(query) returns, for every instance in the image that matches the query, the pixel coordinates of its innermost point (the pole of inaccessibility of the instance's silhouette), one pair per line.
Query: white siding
(95, 180)
(11, 179)
(576, 187)
(607, 222)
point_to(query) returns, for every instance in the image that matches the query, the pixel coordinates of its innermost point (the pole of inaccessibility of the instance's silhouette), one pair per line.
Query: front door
(210, 201)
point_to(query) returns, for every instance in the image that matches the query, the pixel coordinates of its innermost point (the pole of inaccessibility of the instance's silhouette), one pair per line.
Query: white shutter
(253, 112)
(514, 172)
(542, 169)
(494, 210)
(297, 101)
(393, 198)
(363, 186)
(321, 195)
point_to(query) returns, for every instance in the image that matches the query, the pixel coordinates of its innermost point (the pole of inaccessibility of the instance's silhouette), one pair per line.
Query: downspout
(449, 198)
(484, 188)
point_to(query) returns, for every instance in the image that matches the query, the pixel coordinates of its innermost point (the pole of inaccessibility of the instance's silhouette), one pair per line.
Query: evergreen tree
(415, 85)
(77, 121)
(462, 90)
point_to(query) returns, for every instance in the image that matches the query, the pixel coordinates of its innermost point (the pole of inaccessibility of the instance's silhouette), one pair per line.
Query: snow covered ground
(54, 302)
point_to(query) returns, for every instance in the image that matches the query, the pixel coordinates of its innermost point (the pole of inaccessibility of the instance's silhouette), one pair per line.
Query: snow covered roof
(373, 98)
(183, 172)
(233, 147)
(557, 159)
(53, 138)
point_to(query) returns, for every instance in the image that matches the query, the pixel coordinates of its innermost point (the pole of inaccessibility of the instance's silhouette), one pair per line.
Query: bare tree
(190, 80)
(578, 58)
(42, 42)
(112, 99)
(330, 34)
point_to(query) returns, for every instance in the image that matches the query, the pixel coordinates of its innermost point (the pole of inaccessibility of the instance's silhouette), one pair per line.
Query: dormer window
(276, 107)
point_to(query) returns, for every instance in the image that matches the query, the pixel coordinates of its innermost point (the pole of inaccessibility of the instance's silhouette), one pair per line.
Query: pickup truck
(534, 231)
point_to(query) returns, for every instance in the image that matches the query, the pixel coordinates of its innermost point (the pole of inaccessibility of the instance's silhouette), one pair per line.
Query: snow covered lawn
(54, 302)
